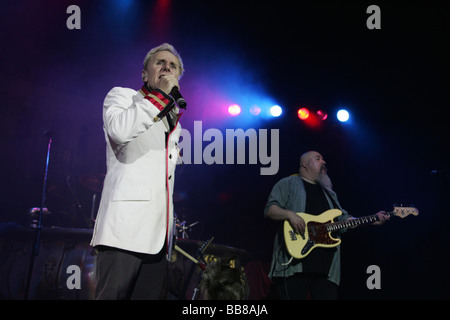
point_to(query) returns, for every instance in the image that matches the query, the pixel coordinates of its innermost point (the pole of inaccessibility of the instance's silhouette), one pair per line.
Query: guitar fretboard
(335, 226)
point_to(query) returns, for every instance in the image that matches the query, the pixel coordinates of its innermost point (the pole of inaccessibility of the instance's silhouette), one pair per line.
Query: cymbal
(92, 181)
(34, 211)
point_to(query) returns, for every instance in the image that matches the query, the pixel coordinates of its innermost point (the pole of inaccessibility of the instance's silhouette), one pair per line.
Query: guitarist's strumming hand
(297, 223)
(278, 214)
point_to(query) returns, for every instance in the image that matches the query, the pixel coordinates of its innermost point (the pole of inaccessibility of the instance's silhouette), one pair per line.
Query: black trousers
(125, 275)
(304, 286)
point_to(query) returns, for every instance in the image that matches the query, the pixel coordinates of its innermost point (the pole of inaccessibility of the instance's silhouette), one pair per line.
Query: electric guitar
(318, 229)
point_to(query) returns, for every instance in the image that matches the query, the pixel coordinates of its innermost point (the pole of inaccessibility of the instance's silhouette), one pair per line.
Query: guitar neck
(335, 226)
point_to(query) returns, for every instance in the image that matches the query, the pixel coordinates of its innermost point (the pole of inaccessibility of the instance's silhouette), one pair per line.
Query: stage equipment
(182, 228)
(37, 227)
(303, 113)
(92, 182)
(64, 249)
(234, 110)
(343, 115)
(322, 115)
(276, 111)
(200, 261)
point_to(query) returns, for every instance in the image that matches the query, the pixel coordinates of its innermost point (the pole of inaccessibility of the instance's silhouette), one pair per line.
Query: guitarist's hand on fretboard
(382, 218)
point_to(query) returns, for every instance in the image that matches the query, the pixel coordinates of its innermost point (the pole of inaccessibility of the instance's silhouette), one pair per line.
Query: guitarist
(316, 276)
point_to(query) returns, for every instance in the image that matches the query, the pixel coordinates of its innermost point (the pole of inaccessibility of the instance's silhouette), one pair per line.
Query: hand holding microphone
(169, 84)
(166, 82)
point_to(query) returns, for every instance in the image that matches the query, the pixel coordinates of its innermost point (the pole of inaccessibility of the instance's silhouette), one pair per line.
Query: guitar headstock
(403, 212)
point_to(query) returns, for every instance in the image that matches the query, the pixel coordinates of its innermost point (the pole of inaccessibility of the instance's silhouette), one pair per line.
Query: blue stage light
(276, 111)
(343, 115)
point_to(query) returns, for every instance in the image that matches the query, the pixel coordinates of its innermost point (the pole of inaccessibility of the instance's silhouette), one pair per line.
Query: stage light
(303, 113)
(343, 115)
(234, 110)
(255, 110)
(322, 115)
(276, 111)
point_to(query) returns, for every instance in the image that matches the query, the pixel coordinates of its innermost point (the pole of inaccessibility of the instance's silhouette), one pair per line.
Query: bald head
(307, 156)
(312, 165)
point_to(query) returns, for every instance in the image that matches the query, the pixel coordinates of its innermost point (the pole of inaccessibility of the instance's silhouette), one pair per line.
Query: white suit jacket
(136, 207)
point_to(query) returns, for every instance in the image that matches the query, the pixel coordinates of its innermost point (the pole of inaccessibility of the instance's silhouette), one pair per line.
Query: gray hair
(164, 47)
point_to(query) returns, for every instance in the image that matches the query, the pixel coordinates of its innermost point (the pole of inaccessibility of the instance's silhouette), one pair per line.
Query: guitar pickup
(292, 235)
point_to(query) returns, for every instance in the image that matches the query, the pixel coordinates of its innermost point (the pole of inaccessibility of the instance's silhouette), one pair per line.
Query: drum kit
(57, 250)
(54, 249)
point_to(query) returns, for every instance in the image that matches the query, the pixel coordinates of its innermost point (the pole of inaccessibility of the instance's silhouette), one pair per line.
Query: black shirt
(318, 261)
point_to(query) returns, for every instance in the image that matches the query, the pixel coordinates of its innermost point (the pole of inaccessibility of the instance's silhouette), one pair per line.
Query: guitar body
(316, 234)
(318, 229)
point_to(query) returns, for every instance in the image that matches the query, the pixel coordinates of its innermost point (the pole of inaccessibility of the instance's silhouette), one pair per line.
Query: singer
(133, 230)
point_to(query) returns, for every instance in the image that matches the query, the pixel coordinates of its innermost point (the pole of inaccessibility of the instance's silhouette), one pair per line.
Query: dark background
(394, 81)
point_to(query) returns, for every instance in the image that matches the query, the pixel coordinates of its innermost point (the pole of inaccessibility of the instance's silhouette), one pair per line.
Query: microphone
(175, 93)
(164, 112)
(439, 172)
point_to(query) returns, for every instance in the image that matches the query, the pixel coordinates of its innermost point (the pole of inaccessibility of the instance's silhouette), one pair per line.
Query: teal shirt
(289, 193)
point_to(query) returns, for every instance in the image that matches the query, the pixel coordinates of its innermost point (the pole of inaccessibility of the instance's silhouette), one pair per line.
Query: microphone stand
(200, 252)
(197, 261)
(38, 226)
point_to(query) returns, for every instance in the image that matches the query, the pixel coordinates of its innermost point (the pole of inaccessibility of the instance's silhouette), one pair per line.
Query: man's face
(316, 163)
(163, 63)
